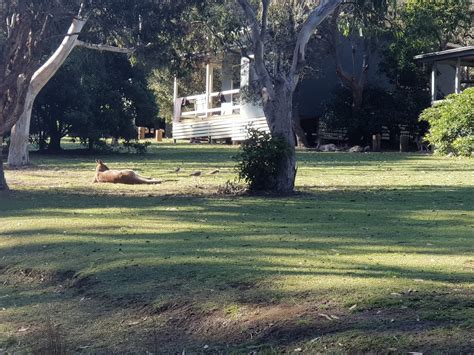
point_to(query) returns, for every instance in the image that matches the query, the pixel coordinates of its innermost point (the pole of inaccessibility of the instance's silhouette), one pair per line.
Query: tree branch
(104, 47)
(250, 15)
(365, 65)
(331, 38)
(259, 47)
(265, 4)
(317, 16)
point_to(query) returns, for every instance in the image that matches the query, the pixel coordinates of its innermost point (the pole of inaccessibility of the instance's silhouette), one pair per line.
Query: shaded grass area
(373, 255)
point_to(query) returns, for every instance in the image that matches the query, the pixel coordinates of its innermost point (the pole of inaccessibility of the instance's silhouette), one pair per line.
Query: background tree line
(93, 95)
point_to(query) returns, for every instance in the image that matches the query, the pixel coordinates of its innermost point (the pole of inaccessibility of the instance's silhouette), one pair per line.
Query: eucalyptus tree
(57, 15)
(31, 30)
(279, 32)
(362, 24)
(125, 24)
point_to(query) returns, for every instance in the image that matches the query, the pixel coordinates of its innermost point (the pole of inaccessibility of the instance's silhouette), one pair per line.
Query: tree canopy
(94, 95)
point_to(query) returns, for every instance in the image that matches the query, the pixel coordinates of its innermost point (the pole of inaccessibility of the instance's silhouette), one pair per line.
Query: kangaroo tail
(143, 180)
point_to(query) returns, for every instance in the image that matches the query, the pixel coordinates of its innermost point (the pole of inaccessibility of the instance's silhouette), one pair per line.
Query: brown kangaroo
(104, 174)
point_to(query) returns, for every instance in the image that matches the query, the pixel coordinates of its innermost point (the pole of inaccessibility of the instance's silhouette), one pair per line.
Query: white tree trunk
(18, 152)
(20, 134)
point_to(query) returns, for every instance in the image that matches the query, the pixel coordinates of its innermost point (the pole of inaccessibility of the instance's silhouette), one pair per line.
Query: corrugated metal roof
(466, 53)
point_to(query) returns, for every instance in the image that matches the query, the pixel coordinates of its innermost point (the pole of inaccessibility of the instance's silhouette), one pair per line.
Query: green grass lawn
(374, 254)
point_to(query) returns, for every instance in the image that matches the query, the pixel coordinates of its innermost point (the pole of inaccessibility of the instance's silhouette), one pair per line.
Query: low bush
(136, 147)
(260, 158)
(452, 124)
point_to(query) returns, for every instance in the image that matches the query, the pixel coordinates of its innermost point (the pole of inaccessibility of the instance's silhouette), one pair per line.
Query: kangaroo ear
(97, 161)
(100, 161)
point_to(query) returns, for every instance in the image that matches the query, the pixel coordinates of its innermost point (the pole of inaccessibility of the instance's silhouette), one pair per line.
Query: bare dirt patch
(283, 326)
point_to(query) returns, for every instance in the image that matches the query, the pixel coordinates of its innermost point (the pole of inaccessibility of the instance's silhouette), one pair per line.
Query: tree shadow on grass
(232, 250)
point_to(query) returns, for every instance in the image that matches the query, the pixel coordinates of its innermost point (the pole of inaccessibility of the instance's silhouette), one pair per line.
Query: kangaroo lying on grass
(104, 174)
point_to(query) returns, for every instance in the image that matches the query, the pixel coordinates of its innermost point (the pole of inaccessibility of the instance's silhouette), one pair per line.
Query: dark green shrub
(137, 147)
(380, 108)
(102, 146)
(452, 124)
(260, 158)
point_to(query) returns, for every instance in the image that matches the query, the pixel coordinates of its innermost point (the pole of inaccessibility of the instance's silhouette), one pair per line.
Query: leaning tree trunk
(357, 97)
(20, 135)
(278, 114)
(18, 153)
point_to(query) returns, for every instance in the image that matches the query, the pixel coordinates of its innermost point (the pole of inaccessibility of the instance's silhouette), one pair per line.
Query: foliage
(364, 18)
(380, 107)
(94, 95)
(402, 30)
(160, 81)
(161, 30)
(419, 26)
(259, 159)
(452, 124)
(215, 29)
(137, 147)
(361, 24)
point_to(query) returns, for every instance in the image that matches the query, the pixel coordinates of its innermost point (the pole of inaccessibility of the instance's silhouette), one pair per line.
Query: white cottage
(219, 111)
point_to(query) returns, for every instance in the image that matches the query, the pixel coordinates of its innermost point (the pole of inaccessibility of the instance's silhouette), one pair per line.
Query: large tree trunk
(20, 135)
(357, 97)
(279, 118)
(18, 153)
(278, 88)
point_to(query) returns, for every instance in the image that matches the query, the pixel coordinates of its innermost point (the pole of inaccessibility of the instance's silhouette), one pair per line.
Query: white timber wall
(233, 126)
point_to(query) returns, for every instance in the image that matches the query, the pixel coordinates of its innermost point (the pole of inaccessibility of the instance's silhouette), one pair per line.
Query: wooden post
(211, 80)
(141, 132)
(175, 98)
(457, 79)
(226, 82)
(159, 135)
(433, 83)
(175, 89)
(208, 87)
(377, 142)
(404, 142)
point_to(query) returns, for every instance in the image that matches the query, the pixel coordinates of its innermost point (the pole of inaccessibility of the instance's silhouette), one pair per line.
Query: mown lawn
(374, 254)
